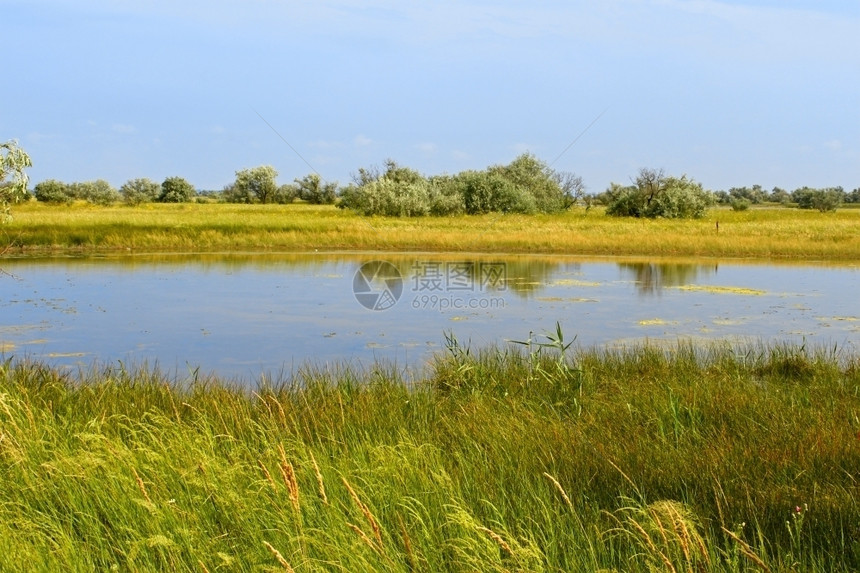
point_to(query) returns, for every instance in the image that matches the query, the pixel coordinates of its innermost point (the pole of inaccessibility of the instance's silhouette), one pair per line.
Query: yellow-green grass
(766, 233)
(648, 459)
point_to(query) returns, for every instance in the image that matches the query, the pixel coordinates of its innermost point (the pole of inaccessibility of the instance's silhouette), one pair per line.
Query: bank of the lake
(765, 233)
(688, 459)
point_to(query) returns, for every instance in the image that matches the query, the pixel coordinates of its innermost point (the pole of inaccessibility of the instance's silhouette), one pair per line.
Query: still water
(245, 315)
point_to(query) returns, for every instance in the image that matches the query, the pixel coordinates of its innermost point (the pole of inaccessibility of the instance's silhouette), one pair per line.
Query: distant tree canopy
(655, 194)
(255, 185)
(176, 190)
(258, 185)
(312, 189)
(98, 192)
(824, 200)
(526, 185)
(13, 177)
(137, 191)
(52, 191)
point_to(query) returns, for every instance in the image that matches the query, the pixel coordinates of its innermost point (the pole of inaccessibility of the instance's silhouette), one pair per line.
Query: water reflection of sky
(244, 315)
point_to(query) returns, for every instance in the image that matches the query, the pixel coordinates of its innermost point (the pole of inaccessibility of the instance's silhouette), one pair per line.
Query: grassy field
(681, 460)
(692, 459)
(776, 233)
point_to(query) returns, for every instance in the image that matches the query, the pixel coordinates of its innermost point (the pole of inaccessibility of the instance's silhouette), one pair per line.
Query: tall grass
(551, 458)
(762, 233)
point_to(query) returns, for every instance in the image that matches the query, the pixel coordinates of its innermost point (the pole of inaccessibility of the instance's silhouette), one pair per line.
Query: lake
(241, 316)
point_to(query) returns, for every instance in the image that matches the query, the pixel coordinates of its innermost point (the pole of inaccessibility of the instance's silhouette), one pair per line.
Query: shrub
(13, 177)
(526, 185)
(740, 204)
(824, 200)
(176, 190)
(286, 194)
(98, 192)
(535, 178)
(314, 190)
(52, 191)
(754, 195)
(488, 191)
(254, 185)
(680, 199)
(780, 196)
(398, 191)
(231, 194)
(137, 191)
(656, 195)
(387, 197)
(446, 196)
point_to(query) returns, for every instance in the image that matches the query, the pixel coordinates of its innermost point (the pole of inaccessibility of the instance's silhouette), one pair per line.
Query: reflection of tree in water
(519, 276)
(433, 274)
(651, 278)
(528, 276)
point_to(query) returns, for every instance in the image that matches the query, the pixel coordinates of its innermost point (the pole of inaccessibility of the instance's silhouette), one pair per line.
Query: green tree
(286, 194)
(778, 195)
(314, 190)
(137, 191)
(256, 184)
(492, 190)
(176, 190)
(52, 191)
(656, 195)
(550, 191)
(829, 199)
(754, 195)
(13, 177)
(740, 204)
(98, 192)
(526, 185)
(398, 191)
(824, 200)
(803, 197)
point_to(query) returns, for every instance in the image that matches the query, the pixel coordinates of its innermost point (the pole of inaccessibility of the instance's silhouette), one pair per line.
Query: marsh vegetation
(760, 232)
(550, 458)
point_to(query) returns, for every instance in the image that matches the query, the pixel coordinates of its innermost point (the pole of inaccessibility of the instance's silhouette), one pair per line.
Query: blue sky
(731, 93)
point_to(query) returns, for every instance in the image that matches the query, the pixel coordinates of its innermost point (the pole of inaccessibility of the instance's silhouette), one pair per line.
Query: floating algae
(655, 322)
(574, 282)
(722, 289)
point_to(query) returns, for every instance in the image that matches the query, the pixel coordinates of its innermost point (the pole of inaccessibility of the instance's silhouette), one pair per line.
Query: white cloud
(123, 128)
(323, 144)
(426, 147)
(362, 141)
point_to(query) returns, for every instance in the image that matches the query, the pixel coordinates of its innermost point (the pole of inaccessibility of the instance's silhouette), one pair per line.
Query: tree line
(525, 185)
(254, 185)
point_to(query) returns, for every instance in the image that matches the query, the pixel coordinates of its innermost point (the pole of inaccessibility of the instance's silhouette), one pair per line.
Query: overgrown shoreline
(766, 233)
(702, 458)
